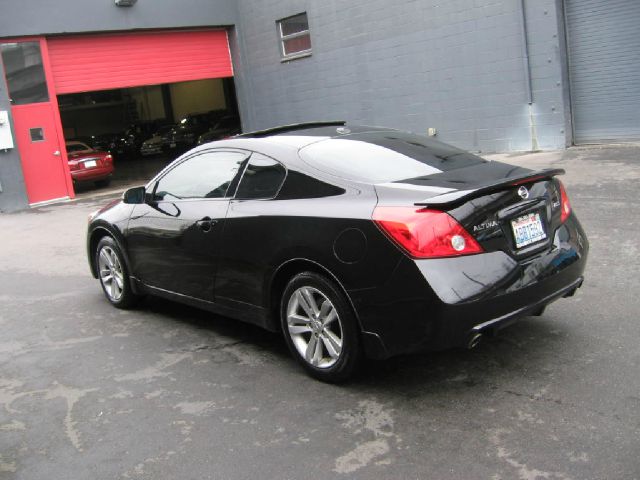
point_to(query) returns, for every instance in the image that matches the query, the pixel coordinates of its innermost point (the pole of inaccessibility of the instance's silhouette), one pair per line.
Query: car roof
(328, 129)
(324, 148)
(300, 135)
(355, 153)
(284, 142)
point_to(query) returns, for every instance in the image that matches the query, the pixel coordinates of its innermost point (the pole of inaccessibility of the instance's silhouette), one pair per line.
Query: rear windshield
(385, 156)
(77, 147)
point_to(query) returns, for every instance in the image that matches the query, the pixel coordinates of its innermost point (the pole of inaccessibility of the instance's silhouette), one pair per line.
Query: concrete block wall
(456, 66)
(14, 194)
(37, 17)
(549, 77)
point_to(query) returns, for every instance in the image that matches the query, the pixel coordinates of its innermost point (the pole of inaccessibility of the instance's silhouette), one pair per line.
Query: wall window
(24, 73)
(295, 39)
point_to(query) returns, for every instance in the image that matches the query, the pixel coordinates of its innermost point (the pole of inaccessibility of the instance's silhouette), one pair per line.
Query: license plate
(528, 229)
(90, 164)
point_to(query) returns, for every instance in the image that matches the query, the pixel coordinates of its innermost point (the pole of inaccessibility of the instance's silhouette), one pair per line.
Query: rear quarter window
(262, 178)
(299, 186)
(385, 156)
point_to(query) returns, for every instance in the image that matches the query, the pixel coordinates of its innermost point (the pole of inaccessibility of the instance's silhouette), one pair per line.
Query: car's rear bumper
(92, 174)
(152, 150)
(442, 303)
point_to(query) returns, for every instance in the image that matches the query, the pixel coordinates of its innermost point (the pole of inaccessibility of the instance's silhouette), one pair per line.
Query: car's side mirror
(134, 195)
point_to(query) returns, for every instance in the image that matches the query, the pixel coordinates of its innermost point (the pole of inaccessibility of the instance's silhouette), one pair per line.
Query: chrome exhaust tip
(474, 340)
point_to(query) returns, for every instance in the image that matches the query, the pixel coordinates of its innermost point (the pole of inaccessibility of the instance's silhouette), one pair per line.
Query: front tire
(320, 327)
(113, 274)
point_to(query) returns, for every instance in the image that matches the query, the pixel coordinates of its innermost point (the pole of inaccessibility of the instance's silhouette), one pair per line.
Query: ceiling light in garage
(125, 3)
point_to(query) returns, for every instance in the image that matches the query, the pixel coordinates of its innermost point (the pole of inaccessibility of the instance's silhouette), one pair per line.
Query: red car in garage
(89, 165)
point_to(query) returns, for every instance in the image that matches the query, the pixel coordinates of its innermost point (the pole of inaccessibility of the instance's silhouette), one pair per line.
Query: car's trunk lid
(81, 161)
(504, 207)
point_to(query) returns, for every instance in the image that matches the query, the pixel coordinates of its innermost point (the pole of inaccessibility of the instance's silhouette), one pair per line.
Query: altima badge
(485, 226)
(523, 192)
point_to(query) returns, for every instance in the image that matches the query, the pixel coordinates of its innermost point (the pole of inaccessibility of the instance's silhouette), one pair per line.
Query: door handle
(57, 153)
(206, 223)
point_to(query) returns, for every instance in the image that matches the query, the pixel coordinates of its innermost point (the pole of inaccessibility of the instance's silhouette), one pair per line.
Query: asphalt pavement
(169, 392)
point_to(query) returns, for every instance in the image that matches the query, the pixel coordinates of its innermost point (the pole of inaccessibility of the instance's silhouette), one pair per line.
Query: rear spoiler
(460, 196)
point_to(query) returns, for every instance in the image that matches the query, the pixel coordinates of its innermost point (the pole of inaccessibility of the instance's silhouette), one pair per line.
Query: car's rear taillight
(108, 159)
(565, 206)
(425, 233)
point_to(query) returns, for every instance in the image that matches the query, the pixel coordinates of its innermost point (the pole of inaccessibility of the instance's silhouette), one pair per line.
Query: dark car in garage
(227, 126)
(105, 142)
(185, 134)
(158, 143)
(355, 242)
(121, 144)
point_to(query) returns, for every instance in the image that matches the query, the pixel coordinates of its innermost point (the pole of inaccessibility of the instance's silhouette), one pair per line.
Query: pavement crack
(370, 419)
(69, 394)
(155, 370)
(524, 471)
(558, 401)
(200, 348)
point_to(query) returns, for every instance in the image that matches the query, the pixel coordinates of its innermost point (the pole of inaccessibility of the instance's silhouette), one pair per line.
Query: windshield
(385, 156)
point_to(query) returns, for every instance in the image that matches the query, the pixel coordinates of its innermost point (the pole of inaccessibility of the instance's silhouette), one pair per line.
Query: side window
(207, 175)
(261, 179)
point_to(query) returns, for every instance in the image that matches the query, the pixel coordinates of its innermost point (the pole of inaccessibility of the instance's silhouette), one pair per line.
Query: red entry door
(42, 158)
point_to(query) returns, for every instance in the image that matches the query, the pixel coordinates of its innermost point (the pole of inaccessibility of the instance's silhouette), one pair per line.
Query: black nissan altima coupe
(355, 242)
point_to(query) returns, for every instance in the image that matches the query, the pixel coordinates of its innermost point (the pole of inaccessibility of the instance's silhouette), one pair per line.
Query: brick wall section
(455, 65)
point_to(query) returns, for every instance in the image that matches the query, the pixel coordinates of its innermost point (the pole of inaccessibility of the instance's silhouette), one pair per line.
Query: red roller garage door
(103, 62)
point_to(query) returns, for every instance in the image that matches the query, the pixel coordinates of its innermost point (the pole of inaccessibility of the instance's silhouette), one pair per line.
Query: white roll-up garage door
(603, 38)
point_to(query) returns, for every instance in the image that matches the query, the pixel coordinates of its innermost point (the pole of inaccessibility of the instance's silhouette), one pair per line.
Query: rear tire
(113, 274)
(320, 327)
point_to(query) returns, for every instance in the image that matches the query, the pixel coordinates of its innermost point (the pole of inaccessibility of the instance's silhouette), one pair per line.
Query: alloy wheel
(314, 327)
(111, 273)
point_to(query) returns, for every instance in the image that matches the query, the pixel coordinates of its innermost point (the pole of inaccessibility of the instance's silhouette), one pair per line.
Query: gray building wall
(13, 195)
(551, 106)
(37, 17)
(457, 66)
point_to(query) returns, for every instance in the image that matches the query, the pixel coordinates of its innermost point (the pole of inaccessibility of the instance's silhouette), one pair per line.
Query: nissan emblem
(523, 192)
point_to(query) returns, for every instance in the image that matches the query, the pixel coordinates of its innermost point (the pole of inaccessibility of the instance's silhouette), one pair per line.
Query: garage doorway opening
(144, 128)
